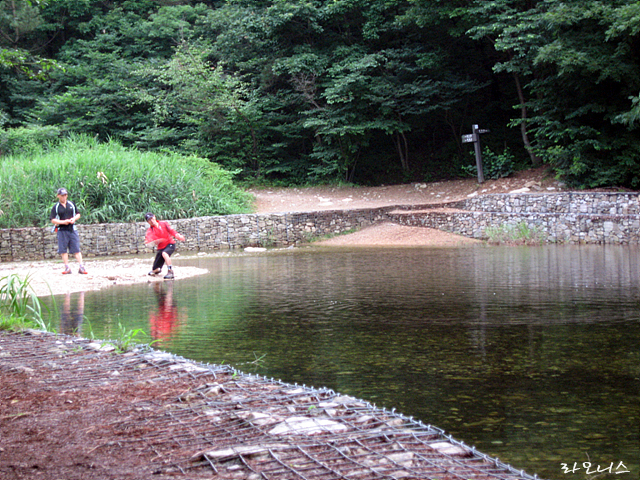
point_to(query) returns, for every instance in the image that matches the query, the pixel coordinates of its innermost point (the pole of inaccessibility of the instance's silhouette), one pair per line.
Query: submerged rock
(307, 426)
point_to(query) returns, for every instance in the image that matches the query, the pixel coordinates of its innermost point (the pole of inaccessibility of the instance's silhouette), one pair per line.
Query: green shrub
(27, 140)
(110, 183)
(494, 165)
(518, 234)
(19, 306)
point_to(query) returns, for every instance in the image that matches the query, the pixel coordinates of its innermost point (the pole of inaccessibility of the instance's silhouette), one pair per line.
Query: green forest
(366, 92)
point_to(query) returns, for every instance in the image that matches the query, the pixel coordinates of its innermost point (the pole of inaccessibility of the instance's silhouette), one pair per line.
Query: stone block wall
(557, 228)
(202, 233)
(567, 217)
(598, 203)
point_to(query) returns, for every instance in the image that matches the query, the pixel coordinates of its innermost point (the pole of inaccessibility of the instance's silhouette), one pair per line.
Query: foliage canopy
(364, 91)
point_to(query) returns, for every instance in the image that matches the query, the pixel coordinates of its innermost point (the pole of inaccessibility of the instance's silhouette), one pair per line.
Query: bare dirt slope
(274, 200)
(338, 198)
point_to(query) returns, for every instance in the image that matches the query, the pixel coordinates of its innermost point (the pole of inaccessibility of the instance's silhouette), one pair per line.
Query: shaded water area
(530, 354)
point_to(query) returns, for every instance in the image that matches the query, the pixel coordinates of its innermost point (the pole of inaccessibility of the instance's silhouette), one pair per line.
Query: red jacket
(162, 232)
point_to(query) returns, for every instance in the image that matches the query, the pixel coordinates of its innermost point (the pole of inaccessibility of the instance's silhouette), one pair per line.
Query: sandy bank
(45, 276)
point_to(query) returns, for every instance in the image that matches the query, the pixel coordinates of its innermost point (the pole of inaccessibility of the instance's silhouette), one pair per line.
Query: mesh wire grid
(237, 425)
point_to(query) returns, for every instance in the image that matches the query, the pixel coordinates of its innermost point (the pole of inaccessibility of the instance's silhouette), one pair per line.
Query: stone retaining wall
(563, 202)
(556, 228)
(202, 233)
(567, 217)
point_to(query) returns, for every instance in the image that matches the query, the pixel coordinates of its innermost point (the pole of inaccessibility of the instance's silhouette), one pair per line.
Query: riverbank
(142, 414)
(45, 276)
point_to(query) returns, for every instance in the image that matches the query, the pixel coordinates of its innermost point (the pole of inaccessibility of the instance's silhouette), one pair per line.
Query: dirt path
(276, 200)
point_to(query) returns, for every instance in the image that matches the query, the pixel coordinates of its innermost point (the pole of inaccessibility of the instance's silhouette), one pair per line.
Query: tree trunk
(403, 153)
(254, 148)
(403, 148)
(535, 160)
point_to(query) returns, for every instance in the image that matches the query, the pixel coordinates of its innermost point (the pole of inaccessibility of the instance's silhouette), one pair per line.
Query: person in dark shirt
(64, 215)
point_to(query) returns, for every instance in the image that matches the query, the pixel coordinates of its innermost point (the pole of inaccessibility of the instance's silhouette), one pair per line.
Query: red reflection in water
(167, 319)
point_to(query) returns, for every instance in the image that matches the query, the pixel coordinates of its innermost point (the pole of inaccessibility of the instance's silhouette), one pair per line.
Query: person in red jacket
(162, 236)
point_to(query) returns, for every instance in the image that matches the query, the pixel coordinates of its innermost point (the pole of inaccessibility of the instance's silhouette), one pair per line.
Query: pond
(530, 354)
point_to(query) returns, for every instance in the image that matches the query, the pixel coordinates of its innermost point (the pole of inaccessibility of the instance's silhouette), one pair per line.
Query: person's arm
(68, 221)
(174, 234)
(53, 216)
(150, 238)
(73, 219)
(57, 221)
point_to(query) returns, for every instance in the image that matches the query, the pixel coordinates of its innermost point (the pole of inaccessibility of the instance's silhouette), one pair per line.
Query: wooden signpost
(474, 138)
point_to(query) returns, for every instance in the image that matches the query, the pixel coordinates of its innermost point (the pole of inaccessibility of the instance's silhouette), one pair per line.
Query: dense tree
(507, 24)
(578, 60)
(358, 84)
(22, 40)
(368, 91)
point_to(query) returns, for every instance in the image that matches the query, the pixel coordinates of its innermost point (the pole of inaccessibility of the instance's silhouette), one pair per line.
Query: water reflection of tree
(166, 319)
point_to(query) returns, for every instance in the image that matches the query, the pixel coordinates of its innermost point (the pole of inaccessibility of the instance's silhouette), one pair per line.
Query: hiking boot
(169, 275)
(155, 272)
(66, 271)
(81, 270)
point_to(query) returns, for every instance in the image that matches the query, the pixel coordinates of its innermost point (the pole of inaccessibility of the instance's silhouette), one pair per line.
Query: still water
(530, 354)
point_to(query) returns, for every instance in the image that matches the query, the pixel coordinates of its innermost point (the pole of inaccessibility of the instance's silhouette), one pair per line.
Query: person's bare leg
(65, 260)
(167, 260)
(66, 304)
(79, 258)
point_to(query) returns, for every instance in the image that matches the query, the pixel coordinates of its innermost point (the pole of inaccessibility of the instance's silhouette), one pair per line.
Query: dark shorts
(68, 241)
(159, 260)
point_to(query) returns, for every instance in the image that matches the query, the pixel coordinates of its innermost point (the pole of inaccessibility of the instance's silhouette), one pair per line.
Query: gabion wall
(202, 233)
(568, 217)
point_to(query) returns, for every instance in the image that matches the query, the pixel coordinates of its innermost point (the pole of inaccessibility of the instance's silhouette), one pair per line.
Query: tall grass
(110, 183)
(518, 234)
(19, 305)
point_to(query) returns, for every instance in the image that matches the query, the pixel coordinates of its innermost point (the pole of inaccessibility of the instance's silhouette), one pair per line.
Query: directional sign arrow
(467, 138)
